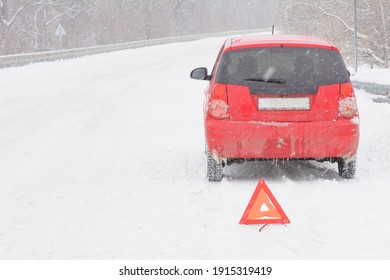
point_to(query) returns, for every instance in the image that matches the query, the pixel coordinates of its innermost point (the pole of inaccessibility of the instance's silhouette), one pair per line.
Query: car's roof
(262, 40)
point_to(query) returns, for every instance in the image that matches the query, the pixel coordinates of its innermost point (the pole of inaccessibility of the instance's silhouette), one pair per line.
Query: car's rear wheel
(347, 169)
(214, 169)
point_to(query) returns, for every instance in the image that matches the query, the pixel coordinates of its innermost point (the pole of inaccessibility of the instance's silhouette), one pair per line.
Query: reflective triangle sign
(263, 208)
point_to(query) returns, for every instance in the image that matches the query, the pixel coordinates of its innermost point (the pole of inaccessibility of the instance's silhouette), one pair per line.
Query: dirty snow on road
(102, 157)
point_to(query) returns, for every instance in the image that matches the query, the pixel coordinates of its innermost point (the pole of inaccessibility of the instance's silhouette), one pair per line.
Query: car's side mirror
(200, 74)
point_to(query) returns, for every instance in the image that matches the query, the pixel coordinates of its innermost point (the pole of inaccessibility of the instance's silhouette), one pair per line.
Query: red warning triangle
(263, 208)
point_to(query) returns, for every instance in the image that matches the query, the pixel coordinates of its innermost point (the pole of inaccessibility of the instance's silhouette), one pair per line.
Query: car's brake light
(219, 91)
(347, 102)
(218, 107)
(348, 107)
(346, 90)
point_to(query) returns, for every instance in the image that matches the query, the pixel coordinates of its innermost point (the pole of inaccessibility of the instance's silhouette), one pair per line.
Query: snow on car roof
(275, 40)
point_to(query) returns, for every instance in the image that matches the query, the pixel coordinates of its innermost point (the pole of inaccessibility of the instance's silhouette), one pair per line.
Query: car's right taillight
(347, 101)
(218, 107)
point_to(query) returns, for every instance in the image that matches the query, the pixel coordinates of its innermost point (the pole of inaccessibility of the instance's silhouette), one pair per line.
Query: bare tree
(334, 21)
(8, 16)
(30, 25)
(33, 22)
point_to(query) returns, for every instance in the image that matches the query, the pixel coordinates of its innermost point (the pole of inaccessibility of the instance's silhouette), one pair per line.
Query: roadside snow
(371, 75)
(102, 157)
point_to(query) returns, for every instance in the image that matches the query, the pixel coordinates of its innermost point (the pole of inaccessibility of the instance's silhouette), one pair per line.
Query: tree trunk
(4, 10)
(385, 35)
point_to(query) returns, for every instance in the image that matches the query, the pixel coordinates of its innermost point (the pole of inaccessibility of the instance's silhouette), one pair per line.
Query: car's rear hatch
(287, 84)
(258, 104)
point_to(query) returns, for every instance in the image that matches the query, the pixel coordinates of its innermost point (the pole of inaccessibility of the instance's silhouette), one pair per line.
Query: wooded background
(334, 20)
(30, 25)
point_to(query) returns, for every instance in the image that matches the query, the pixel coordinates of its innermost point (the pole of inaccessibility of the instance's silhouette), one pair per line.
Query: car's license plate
(298, 103)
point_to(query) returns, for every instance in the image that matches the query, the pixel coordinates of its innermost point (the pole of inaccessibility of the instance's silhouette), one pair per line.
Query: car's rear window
(286, 67)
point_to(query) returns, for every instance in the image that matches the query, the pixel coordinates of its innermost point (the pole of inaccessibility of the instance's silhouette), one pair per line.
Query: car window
(216, 61)
(287, 66)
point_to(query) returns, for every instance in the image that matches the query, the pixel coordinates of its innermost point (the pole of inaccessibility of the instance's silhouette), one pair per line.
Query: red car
(279, 97)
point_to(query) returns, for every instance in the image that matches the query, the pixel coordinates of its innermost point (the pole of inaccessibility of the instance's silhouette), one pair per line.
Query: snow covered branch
(334, 21)
(9, 22)
(322, 10)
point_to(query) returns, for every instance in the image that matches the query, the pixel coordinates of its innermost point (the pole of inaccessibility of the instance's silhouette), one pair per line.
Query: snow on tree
(334, 21)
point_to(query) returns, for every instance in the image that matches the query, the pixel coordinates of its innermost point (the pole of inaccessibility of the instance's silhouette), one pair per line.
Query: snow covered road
(102, 157)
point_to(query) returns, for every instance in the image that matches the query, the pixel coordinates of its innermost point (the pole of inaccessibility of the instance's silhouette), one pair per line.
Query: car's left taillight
(347, 101)
(218, 107)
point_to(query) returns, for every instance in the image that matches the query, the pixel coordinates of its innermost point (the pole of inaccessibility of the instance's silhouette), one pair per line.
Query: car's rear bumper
(278, 140)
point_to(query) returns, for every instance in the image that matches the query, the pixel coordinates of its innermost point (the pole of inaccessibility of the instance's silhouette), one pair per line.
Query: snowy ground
(102, 158)
(371, 75)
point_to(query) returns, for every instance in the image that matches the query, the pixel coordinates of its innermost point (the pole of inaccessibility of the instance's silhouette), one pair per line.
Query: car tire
(347, 170)
(214, 169)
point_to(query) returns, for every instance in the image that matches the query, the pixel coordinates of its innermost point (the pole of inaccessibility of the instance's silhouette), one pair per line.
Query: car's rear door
(282, 84)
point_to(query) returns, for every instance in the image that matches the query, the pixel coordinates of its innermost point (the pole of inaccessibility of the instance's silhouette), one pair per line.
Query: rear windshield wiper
(271, 81)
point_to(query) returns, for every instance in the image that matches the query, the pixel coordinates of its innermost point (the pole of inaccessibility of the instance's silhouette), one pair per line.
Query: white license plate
(298, 103)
